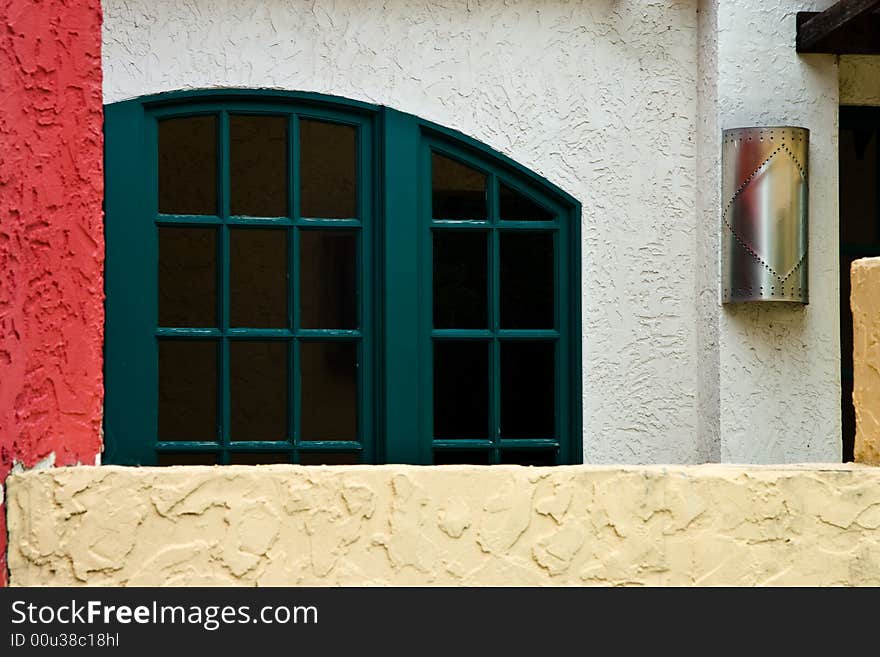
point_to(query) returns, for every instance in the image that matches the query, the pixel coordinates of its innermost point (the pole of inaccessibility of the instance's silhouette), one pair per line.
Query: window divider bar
(461, 224)
(462, 443)
(528, 443)
(259, 333)
(239, 220)
(528, 334)
(528, 225)
(320, 222)
(193, 333)
(188, 219)
(462, 334)
(330, 446)
(329, 334)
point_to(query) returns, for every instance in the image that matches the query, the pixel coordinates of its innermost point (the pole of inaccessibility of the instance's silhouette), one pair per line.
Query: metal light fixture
(764, 214)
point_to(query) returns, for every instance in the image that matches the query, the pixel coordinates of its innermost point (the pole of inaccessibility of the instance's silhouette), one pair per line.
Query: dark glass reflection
(187, 458)
(188, 165)
(258, 458)
(187, 277)
(461, 390)
(527, 389)
(258, 165)
(526, 280)
(258, 277)
(328, 170)
(328, 279)
(453, 456)
(460, 279)
(529, 456)
(457, 190)
(258, 390)
(187, 390)
(329, 391)
(517, 207)
(329, 458)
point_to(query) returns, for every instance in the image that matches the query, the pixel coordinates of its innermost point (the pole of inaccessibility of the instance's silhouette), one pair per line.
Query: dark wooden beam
(848, 27)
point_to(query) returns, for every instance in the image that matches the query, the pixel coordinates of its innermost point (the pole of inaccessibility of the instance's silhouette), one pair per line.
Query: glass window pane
(529, 456)
(329, 390)
(517, 207)
(460, 292)
(188, 458)
(258, 458)
(187, 277)
(328, 170)
(258, 277)
(328, 279)
(258, 390)
(258, 165)
(461, 389)
(187, 390)
(329, 458)
(457, 190)
(453, 456)
(526, 280)
(527, 390)
(188, 165)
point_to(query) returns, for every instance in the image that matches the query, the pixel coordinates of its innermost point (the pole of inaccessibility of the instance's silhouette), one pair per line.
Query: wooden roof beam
(847, 27)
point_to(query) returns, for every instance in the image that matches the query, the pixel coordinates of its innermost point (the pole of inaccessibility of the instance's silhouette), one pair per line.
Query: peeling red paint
(51, 234)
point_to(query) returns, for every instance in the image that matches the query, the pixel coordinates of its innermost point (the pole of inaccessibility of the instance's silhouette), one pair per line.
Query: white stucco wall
(779, 365)
(620, 103)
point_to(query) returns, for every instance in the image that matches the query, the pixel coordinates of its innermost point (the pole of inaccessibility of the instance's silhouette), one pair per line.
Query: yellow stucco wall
(406, 525)
(865, 302)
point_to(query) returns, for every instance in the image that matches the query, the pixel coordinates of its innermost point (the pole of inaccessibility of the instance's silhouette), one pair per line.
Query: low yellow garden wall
(451, 525)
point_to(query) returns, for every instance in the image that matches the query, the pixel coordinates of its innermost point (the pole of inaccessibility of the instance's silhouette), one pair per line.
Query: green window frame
(395, 336)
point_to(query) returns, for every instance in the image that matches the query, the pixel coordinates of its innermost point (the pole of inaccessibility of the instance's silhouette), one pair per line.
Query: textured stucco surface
(51, 235)
(599, 96)
(859, 80)
(779, 365)
(454, 525)
(865, 301)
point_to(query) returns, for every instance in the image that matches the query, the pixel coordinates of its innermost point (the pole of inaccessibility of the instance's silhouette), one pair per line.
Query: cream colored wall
(860, 80)
(456, 525)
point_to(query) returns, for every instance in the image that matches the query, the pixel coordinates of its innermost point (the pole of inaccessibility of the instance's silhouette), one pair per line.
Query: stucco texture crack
(453, 525)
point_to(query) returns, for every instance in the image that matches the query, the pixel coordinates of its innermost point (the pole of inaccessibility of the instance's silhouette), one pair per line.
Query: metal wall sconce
(764, 184)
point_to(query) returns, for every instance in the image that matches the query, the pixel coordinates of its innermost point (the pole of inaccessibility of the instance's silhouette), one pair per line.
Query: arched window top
(300, 278)
(173, 103)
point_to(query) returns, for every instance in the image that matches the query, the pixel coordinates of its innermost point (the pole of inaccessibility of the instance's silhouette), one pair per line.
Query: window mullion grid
(293, 291)
(494, 322)
(224, 201)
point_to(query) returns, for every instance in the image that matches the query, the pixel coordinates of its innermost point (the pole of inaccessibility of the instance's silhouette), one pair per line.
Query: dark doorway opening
(859, 232)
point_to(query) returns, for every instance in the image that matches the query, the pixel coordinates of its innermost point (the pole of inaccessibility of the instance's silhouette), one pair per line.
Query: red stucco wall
(51, 234)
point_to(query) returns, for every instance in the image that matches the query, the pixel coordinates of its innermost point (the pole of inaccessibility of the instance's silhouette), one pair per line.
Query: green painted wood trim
(131, 311)
(395, 337)
(403, 355)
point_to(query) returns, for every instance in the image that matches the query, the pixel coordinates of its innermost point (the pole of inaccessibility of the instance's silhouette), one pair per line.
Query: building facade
(607, 113)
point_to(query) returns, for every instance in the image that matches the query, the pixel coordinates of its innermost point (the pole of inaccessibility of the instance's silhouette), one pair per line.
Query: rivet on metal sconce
(764, 214)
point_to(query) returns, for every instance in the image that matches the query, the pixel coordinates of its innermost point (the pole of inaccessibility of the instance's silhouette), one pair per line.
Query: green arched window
(300, 278)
